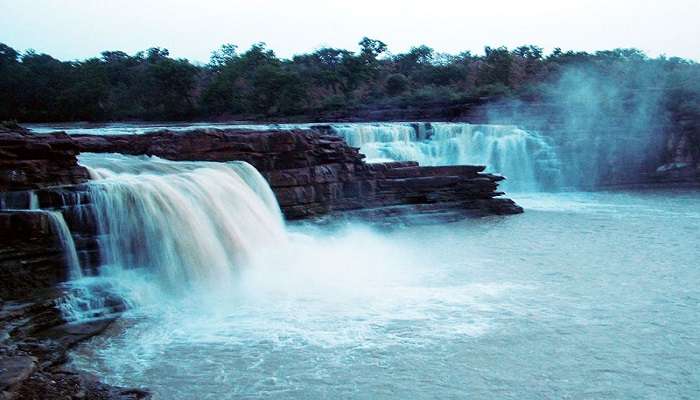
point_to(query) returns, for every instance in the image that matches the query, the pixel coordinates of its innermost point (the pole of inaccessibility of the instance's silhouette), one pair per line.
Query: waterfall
(64, 236)
(527, 159)
(33, 200)
(359, 135)
(188, 223)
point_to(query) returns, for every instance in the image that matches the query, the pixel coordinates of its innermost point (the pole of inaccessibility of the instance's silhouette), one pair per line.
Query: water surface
(585, 296)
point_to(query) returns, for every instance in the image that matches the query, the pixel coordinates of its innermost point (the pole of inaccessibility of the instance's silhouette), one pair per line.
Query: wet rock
(14, 370)
(31, 256)
(34, 340)
(30, 161)
(313, 172)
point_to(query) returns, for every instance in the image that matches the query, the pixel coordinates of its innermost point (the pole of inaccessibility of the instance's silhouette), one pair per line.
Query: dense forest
(256, 84)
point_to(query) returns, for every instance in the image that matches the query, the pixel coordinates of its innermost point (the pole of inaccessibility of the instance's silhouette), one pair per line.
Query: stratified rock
(14, 370)
(31, 256)
(29, 161)
(42, 171)
(314, 173)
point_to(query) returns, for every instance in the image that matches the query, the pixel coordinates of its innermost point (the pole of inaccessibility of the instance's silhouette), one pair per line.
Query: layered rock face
(39, 172)
(31, 256)
(30, 161)
(314, 173)
(34, 335)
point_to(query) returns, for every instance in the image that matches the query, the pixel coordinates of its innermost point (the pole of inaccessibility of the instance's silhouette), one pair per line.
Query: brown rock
(313, 172)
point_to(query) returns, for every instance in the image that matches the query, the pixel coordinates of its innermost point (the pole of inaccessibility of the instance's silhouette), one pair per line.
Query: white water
(525, 158)
(188, 224)
(586, 295)
(67, 243)
(33, 200)
(360, 135)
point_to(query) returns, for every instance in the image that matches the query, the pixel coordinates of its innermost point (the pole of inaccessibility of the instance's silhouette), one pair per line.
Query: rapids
(527, 159)
(586, 295)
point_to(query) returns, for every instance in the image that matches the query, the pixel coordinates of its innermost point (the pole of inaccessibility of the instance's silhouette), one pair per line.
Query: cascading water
(67, 243)
(525, 158)
(29, 201)
(189, 224)
(351, 312)
(361, 135)
(33, 201)
(529, 160)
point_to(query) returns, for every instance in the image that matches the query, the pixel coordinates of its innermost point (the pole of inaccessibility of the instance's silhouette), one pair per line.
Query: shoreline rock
(34, 335)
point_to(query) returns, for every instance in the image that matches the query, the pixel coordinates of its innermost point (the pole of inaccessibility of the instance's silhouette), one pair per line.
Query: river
(585, 295)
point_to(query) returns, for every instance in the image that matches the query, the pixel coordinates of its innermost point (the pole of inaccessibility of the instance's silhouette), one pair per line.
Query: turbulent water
(528, 160)
(189, 224)
(66, 241)
(586, 295)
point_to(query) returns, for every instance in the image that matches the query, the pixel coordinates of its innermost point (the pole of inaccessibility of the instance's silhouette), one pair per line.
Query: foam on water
(330, 293)
(587, 294)
(593, 297)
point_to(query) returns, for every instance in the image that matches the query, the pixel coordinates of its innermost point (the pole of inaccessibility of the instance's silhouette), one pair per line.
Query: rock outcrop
(314, 173)
(35, 336)
(34, 342)
(42, 171)
(29, 161)
(31, 256)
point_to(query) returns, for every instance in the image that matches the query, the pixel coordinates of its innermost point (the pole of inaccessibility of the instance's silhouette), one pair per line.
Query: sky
(77, 29)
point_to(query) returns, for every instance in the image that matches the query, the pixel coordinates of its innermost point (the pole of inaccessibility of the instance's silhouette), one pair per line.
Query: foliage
(396, 84)
(256, 83)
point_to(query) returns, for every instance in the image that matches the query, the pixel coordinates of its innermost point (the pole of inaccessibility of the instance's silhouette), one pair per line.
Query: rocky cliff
(30, 161)
(43, 171)
(314, 173)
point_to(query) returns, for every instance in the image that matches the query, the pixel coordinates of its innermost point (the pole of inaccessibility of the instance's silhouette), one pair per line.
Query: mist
(609, 121)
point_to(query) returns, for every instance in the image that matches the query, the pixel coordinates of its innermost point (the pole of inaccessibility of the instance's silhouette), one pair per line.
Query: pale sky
(77, 29)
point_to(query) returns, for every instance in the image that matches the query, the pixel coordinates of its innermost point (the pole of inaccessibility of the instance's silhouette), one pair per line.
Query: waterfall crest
(188, 223)
(527, 159)
(359, 135)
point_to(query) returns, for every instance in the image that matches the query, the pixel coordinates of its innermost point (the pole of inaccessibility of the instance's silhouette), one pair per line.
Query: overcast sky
(76, 29)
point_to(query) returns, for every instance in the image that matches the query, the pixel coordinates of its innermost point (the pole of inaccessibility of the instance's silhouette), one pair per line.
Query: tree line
(255, 83)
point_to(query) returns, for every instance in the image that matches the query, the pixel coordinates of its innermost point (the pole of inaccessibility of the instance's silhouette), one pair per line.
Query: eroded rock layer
(40, 185)
(29, 161)
(314, 173)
